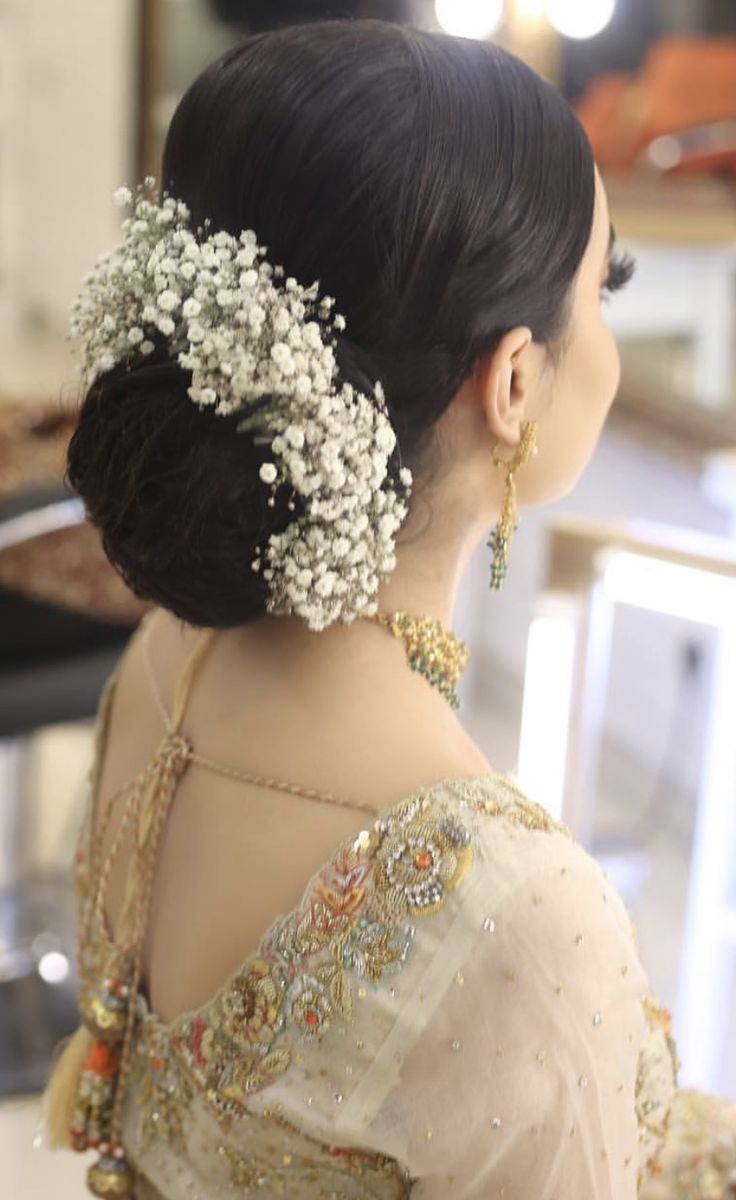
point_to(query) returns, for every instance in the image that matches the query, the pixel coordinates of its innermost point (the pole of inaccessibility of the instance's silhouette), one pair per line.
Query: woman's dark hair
(437, 188)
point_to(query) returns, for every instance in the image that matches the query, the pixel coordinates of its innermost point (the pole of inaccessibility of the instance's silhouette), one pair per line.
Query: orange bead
(102, 1059)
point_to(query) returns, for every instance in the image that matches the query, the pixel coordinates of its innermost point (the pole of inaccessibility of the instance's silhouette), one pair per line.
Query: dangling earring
(508, 522)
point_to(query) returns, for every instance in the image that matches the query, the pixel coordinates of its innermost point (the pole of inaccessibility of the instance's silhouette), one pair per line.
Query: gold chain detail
(436, 653)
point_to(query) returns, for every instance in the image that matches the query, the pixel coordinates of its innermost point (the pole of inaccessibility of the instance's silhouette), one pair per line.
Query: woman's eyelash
(621, 267)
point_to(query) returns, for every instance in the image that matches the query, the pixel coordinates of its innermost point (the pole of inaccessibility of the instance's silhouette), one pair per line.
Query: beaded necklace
(436, 653)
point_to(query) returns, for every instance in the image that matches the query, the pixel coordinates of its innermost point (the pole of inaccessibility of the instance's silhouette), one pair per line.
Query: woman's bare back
(235, 854)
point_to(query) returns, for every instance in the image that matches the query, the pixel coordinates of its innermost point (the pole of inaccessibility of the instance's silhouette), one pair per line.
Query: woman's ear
(501, 380)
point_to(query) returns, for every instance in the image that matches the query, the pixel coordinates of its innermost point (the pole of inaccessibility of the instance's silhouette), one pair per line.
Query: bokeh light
(580, 18)
(469, 18)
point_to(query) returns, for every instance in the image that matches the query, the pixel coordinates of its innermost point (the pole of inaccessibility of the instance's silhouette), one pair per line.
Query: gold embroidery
(162, 1091)
(352, 923)
(513, 805)
(254, 1168)
(656, 1087)
(355, 921)
(246, 1172)
(701, 1146)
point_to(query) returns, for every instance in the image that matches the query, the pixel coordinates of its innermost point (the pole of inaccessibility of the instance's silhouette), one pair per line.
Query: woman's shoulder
(513, 831)
(520, 847)
(246, 710)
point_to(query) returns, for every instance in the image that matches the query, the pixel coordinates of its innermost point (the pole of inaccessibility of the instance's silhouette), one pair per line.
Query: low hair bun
(436, 188)
(175, 494)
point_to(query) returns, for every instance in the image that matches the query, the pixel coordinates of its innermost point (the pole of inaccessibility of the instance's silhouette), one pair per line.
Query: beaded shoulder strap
(109, 1006)
(171, 723)
(183, 685)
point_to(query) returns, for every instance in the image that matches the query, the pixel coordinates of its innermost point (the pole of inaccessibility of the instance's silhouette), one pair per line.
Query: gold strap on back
(186, 678)
(181, 693)
(109, 1008)
(183, 685)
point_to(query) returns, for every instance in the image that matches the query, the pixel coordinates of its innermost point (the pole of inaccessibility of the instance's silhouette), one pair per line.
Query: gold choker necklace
(433, 651)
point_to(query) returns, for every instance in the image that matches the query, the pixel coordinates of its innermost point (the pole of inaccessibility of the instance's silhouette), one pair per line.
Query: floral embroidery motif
(354, 921)
(415, 866)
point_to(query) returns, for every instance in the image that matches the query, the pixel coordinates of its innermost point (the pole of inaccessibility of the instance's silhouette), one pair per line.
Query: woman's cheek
(614, 368)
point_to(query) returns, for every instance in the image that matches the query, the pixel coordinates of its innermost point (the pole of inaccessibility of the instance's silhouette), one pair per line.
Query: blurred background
(603, 675)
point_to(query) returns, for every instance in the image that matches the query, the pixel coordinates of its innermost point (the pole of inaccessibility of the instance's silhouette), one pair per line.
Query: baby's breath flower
(246, 331)
(268, 472)
(166, 326)
(168, 300)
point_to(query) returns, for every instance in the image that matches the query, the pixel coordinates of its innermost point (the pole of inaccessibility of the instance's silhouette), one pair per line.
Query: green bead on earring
(499, 543)
(508, 522)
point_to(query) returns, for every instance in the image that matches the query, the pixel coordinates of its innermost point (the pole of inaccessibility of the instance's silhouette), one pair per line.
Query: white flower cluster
(244, 336)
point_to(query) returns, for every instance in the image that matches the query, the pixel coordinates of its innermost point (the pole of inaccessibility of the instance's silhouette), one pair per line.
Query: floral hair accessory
(247, 338)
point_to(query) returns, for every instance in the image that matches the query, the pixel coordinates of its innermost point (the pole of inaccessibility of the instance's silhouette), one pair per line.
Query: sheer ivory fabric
(514, 1052)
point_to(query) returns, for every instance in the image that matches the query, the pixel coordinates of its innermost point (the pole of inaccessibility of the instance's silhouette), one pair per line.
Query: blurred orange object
(68, 569)
(684, 83)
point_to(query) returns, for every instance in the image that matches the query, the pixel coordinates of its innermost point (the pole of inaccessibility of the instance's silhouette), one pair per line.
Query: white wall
(67, 111)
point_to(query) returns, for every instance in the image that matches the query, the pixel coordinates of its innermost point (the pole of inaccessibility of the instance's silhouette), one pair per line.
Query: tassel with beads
(59, 1098)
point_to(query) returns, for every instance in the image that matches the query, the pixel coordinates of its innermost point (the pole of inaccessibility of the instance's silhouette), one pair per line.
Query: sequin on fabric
(353, 931)
(355, 923)
(510, 805)
(307, 1157)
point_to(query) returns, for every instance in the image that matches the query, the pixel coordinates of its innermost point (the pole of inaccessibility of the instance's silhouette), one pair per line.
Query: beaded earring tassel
(508, 522)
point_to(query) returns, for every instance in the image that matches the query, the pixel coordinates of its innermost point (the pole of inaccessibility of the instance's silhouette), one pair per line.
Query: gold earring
(508, 521)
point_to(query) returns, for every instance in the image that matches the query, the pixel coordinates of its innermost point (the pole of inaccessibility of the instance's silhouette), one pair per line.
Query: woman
(453, 1006)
